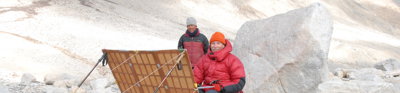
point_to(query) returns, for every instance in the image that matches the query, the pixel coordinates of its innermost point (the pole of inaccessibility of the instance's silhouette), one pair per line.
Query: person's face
(191, 28)
(216, 46)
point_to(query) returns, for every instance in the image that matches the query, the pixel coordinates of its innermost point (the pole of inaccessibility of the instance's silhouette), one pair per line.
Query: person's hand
(217, 87)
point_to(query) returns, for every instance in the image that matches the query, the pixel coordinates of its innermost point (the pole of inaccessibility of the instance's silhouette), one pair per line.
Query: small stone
(60, 84)
(99, 83)
(49, 79)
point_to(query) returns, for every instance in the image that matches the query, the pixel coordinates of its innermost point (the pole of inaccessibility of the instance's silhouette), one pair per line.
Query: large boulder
(286, 53)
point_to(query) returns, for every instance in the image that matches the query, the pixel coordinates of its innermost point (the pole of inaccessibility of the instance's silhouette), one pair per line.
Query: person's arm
(206, 44)
(237, 75)
(180, 43)
(198, 72)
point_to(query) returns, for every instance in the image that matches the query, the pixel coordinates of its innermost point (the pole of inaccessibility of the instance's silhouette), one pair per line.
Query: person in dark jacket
(195, 42)
(220, 68)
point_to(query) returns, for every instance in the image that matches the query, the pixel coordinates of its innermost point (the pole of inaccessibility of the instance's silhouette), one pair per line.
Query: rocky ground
(57, 83)
(383, 78)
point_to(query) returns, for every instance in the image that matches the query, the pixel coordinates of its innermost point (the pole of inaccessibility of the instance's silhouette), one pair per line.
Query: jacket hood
(221, 54)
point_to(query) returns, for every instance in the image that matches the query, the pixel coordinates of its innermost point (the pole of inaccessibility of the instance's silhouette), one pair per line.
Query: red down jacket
(196, 45)
(222, 66)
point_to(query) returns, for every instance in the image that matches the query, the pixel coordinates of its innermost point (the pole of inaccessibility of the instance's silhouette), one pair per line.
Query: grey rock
(65, 83)
(27, 78)
(70, 83)
(99, 83)
(113, 89)
(367, 74)
(60, 84)
(286, 53)
(49, 79)
(393, 74)
(388, 65)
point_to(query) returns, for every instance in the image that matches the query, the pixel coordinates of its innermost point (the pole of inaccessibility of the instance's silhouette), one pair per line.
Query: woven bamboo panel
(138, 64)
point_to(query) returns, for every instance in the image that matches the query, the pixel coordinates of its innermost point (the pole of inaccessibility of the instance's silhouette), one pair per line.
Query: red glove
(217, 87)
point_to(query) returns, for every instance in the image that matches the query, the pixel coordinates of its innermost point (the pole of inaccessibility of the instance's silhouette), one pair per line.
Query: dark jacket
(196, 45)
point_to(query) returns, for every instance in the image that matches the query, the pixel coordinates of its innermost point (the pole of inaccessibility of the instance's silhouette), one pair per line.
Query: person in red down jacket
(220, 68)
(195, 42)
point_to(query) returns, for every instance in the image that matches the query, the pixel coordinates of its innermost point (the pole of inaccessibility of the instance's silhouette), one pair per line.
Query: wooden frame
(139, 64)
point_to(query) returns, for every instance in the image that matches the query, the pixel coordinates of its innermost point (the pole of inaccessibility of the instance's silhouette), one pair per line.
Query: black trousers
(209, 91)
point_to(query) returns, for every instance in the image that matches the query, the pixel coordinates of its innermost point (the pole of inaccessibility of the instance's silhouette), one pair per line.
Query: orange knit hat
(218, 36)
